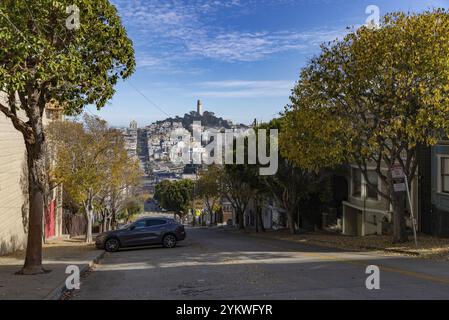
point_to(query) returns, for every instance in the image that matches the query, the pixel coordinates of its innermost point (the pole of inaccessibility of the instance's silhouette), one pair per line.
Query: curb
(411, 253)
(57, 293)
(322, 243)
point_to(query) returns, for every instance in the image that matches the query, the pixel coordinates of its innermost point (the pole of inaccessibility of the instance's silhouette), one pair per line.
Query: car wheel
(112, 245)
(169, 241)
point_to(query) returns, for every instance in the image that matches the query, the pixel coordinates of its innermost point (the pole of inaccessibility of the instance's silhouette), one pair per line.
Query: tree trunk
(300, 222)
(89, 219)
(257, 222)
(104, 223)
(33, 258)
(211, 220)
(237, 218)
(259, 218)
(399, 226)
(241, 219)
(36, 190)
(398, 204)
(112, 222)
(291, 221)
(108, 223)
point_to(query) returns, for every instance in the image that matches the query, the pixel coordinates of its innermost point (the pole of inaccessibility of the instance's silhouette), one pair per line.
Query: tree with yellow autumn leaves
(371, 99)
(94, 168)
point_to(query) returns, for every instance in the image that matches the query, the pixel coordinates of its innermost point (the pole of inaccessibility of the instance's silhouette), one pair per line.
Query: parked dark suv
(143, 232)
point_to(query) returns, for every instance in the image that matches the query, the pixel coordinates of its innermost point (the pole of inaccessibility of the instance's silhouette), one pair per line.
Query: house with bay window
(366, 212)
(434, 189)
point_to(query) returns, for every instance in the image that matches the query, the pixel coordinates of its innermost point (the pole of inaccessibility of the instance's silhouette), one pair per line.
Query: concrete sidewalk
(58, 254)
(429, 247)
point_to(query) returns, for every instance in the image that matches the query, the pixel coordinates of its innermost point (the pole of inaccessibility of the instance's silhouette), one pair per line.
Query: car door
(135, 234)
(156, 229)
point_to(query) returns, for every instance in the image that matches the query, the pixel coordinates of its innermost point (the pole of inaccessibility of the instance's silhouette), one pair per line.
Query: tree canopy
(371, 98)
(41, 60)
(93, 165)
(176, 196)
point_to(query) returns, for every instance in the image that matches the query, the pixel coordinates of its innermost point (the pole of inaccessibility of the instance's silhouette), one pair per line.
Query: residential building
(13, 188)
(130, 138)
(434, 189)
(366, 212)
(273, 216)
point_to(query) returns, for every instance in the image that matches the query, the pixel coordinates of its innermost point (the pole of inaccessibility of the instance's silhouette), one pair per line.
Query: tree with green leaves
(41, 59)
(131, 207)
(291, 186)
(371, 99)
(176, 196)
(236, 182)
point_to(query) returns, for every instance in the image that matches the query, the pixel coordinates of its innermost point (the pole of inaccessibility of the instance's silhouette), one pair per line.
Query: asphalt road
(218, 264)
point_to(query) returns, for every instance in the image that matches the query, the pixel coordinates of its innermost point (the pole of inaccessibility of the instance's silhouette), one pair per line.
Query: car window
(124, 226)
(140, 224)
(155, 222)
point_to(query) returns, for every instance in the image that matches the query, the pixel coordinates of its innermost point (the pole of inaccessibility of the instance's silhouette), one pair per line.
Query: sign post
(400, 184)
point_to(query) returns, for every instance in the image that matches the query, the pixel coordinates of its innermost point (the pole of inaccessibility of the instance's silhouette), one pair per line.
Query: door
(135, 235)
(156, 230)
(50, 221)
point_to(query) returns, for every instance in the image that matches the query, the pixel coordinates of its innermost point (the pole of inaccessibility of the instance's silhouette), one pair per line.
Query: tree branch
(19, 124)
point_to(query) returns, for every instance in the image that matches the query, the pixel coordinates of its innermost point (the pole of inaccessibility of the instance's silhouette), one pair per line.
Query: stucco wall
(371, 212)
(12, 199)
(13, 186)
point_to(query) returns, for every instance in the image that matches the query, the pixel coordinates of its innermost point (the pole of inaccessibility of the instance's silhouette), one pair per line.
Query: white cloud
(170, 32)
(245, 89)
(240, 46)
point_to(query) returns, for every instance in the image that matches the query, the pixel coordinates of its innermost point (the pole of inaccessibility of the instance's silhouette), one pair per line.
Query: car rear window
(155, 222)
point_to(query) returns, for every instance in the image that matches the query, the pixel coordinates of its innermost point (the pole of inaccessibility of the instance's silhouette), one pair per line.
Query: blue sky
(240, 57)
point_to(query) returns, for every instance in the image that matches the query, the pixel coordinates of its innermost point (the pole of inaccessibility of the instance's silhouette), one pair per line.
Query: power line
(148, 99)
(14, 26)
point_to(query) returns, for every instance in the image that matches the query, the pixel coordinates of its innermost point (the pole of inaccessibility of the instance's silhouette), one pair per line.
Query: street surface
(219, 264)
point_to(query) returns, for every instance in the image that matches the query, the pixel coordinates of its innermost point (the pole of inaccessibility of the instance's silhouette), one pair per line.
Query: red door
(50, 221)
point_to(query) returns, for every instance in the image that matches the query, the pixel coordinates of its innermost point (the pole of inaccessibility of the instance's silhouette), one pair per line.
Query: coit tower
(199, 108)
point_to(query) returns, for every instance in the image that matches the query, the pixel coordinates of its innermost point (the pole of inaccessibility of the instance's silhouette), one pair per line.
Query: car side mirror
(131, 228)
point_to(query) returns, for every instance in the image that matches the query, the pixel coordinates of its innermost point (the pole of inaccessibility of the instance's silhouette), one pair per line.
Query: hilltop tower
(199, 108)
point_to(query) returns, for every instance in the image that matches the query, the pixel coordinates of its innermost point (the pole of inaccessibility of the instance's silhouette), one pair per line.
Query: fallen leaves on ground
(428, 247)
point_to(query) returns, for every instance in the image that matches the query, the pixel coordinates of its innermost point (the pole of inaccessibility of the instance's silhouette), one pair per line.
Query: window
(140, 224)
(371, 189)
(155, 222)
(356, 183)
(445, 175)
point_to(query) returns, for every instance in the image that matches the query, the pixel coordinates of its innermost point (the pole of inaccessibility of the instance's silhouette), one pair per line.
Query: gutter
(58, 292)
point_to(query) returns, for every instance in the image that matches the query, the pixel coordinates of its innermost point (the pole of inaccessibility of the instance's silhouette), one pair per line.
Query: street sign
(401, 184)
(397, 172)
(400, 187)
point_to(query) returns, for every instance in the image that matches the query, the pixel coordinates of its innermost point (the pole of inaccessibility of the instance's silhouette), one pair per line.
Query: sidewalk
(57, 254)
(428, 247)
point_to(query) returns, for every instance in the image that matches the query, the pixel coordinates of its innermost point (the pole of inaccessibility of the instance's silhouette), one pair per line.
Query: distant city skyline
(241, 58)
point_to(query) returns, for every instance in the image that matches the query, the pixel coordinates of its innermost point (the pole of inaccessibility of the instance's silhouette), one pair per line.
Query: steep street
(218, 264)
